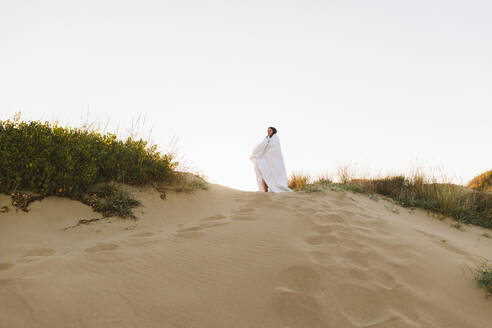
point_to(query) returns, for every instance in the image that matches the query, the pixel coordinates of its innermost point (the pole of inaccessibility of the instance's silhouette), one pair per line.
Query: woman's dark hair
(273, 129)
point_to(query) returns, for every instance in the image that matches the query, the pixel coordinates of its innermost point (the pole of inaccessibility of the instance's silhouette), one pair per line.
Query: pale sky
(384, 85)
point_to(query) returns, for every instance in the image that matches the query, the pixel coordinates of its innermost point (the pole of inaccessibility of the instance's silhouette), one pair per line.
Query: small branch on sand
(83, 221)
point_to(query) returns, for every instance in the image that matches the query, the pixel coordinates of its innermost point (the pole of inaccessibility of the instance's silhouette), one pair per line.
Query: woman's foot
(265, 186)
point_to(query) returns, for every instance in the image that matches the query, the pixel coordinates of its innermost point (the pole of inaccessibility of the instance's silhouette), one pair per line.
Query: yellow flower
(60, 190)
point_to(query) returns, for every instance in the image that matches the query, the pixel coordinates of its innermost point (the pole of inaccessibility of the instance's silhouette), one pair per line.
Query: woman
(269, 164)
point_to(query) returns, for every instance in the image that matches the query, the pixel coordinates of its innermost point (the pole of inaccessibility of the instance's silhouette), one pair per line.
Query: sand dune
(226, 258)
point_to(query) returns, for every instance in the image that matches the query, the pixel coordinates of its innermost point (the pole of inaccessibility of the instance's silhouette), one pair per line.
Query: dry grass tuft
(483, 182)
(298, 181)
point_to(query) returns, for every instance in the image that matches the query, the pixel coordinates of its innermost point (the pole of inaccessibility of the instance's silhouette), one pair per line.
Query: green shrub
(484, 278)
(113, 200)
(52, 160)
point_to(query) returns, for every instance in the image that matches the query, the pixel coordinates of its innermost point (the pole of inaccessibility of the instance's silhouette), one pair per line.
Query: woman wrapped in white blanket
(269, 164)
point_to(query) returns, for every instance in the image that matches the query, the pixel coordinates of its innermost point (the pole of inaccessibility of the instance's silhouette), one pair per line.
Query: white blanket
(269, 165)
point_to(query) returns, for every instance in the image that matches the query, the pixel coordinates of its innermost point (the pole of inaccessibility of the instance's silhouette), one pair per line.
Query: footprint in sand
(140, 242)
(324, 218)
(244, 213)
(207, 222)
(363, 220)
(243, 218)
(318, 256)
(324, 229)
(216, 217)
(382, 278)
(328, 233)
(190, 232)
(101, 247)
(213, 221)
(242, 210)
(297, 309)
(34, 254)
(4, 281)
(212, 224)
(300, 278)
(140, 239)
(255, 200)
(306, 210)
(144, 234)
(279, 204)
(40, 252)
(332, 228)
(361, 305)
(315, 240)
(294, 299)
(344, 235)
(5, 266)
(356, 259)
(190, 229)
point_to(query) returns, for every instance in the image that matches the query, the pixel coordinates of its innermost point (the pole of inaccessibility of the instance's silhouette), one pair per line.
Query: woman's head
(271, 131)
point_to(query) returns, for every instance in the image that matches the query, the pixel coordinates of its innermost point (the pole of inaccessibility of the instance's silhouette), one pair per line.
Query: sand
(228, 258)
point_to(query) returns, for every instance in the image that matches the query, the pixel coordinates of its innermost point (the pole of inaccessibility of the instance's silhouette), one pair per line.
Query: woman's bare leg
(265, 186)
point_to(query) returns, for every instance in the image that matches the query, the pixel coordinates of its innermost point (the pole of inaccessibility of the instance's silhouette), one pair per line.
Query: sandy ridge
(226, 258)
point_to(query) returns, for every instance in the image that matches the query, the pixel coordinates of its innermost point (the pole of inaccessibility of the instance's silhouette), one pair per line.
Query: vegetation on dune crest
(303, 182)
(299, 181)
(112, 200)
(484, 277)
(460, 203)
(43, 159)
(464, 205)
(483, 182)
(53, 160)
(181, 182)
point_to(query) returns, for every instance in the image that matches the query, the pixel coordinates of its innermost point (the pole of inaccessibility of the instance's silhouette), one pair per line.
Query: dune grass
(465, 205)
(181, 182)
(39, 159)
(305, 183)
